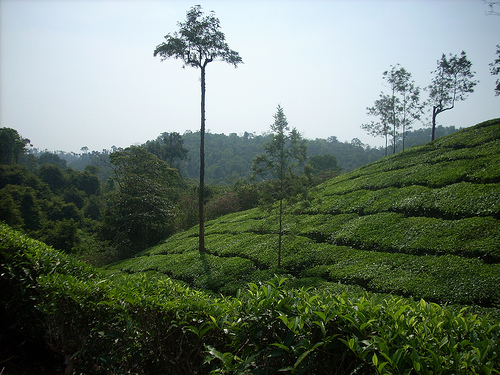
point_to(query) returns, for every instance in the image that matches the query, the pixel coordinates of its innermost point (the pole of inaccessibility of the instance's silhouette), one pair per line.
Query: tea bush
(391, 232)
(146, 323)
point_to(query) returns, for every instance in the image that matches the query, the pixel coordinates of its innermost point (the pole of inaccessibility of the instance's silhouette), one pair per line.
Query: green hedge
(459, 200)
(392, 232)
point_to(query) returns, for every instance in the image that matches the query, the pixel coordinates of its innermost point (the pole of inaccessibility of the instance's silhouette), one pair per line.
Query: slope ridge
(423, 223)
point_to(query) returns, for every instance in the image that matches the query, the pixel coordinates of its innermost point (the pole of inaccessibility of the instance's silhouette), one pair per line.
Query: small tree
(381, 109)
(198, 43)
(284, 157)
(453, 81)
(495, 70)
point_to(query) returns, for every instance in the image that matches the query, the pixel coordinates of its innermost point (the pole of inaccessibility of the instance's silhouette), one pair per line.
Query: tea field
(423, 223)
(393, 268)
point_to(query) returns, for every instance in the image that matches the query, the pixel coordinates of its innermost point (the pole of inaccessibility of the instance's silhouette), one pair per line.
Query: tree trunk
(434, 114)
(280, 233)
(202, 164)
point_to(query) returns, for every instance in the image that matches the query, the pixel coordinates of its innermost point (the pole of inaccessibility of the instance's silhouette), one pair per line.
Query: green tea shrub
(145, 323)
(392, 232)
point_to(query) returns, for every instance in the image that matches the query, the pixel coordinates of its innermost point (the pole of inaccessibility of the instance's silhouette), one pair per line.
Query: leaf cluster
(198, 42)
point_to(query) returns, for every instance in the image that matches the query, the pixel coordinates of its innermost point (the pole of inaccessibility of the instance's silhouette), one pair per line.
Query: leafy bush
(147, 323)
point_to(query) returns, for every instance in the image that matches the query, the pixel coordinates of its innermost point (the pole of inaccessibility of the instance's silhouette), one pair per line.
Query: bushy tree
(283, 162)
(324, 167)
(453, 81)
(12, 145)
(169, 147)
(139, 212)
(198, 43)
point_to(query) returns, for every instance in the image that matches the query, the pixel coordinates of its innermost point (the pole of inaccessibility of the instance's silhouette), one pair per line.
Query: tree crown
(198, 42)
(453, 81)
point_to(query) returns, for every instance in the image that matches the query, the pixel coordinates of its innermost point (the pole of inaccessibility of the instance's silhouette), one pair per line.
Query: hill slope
(423, 223)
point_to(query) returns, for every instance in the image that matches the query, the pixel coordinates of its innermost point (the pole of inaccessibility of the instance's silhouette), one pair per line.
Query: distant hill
(423, 223)
(228, 158)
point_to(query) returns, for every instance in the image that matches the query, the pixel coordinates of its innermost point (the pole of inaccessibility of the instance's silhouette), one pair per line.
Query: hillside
(419, 224)
(423, 223)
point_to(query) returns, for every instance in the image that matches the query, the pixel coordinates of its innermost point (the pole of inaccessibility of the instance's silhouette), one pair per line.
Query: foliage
(422, 223)
(495, 70)
(147, 323)
(284, 157)
(396, 110)
(198, 42)
(170, 148)
(58, 206)
(12, 145)
(139, 213)
(453, 81)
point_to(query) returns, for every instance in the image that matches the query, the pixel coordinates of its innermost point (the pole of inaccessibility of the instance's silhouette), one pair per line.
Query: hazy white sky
(80, 73)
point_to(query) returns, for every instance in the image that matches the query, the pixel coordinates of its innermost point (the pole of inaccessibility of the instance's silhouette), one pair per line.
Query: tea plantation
(393, 268)
(423, 223)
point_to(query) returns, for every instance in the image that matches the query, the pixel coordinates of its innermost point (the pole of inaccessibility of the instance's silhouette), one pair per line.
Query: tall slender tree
(198, 42)
(284, 157)
(453, 81)
(405, 96)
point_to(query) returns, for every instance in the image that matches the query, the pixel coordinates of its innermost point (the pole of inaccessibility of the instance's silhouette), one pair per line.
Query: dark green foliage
(139, 213)
(170, 148)
(52, 159)
(61, 207)
(146, 323)
(12, 145)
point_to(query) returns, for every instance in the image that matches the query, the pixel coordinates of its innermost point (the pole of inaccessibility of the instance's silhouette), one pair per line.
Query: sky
(81, 73)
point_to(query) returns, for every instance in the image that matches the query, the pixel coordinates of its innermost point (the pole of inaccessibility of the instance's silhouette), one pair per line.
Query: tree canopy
(12, 145)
